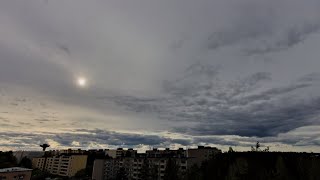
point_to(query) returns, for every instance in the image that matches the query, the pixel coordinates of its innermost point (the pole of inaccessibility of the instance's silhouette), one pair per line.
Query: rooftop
(14, 169)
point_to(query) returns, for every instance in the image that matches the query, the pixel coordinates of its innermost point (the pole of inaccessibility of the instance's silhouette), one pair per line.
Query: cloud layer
(224, 73)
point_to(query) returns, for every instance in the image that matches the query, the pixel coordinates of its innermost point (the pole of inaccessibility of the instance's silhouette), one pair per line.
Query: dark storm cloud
(230, 109)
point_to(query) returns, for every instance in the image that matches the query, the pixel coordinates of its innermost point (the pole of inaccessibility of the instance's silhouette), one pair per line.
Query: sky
(160, 73)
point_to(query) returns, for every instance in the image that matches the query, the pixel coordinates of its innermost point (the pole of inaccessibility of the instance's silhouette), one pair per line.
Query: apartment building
(198, 155)
(133, 164)
(38, 163)
(15, 173)
(133, 167)
(62, 165)
(98, 170)
(120, 152)
(179, 153)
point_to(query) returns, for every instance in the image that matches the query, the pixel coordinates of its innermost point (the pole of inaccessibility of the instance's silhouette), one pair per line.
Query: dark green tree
(193, 173)
(81, 174)
(122, 174)
(258, 146)
(230, 150)
(7, 159)
(26, 162)
(145, 172)
(172, 170)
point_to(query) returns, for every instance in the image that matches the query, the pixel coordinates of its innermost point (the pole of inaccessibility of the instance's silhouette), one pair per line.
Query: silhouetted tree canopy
(172, 170)
(26, 162)
(7, 159)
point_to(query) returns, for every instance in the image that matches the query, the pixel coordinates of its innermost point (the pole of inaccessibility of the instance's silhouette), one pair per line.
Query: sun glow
(81, 81)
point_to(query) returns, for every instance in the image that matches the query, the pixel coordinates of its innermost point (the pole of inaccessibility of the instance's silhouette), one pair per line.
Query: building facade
(62, 165)
(120, 152)
(135, 166)
(198, 155)
(16, 173)
(98, 169)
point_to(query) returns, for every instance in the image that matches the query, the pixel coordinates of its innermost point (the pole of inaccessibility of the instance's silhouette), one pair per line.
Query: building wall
(98, 169)
(133, 166)
(111, 153)
(115, 153)
(78, 162)
(197, 156)
(38, 163)
(63, 165)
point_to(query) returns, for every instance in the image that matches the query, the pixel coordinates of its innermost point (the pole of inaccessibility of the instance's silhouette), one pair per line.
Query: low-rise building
(15, 173)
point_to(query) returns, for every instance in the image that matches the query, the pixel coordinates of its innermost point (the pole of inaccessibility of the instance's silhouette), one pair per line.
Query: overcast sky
(160, 73)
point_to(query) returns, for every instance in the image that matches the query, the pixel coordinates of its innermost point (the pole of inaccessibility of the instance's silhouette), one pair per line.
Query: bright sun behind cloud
(81, 81)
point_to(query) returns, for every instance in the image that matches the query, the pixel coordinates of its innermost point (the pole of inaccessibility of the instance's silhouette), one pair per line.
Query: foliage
(7, 159)
(258, 166)
(26, 162)
(145, 172)
(81, 173)
(230, 150)
(122, 175)
(172, 170)
(193, 173)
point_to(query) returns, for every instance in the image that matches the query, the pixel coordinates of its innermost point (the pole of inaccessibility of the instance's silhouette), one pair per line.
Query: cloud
(85, 138)
(243, 107)
(211, 71)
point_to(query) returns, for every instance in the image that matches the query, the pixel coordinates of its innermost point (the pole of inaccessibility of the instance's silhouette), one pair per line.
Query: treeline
(254, 165)
(7, 160)
(258, 166)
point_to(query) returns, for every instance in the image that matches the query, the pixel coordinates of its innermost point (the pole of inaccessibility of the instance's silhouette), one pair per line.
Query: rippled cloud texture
(160, 73)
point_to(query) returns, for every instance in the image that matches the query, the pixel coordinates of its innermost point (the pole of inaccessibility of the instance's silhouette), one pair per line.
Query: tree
(7, 159)
(257, 146)
(172, 170)
(266, 149)
(193, 173)
(230, 150)
(145, 170)
(148, 171)
(26, 162)
(122, 174)
(81, 174)
(44, 146)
